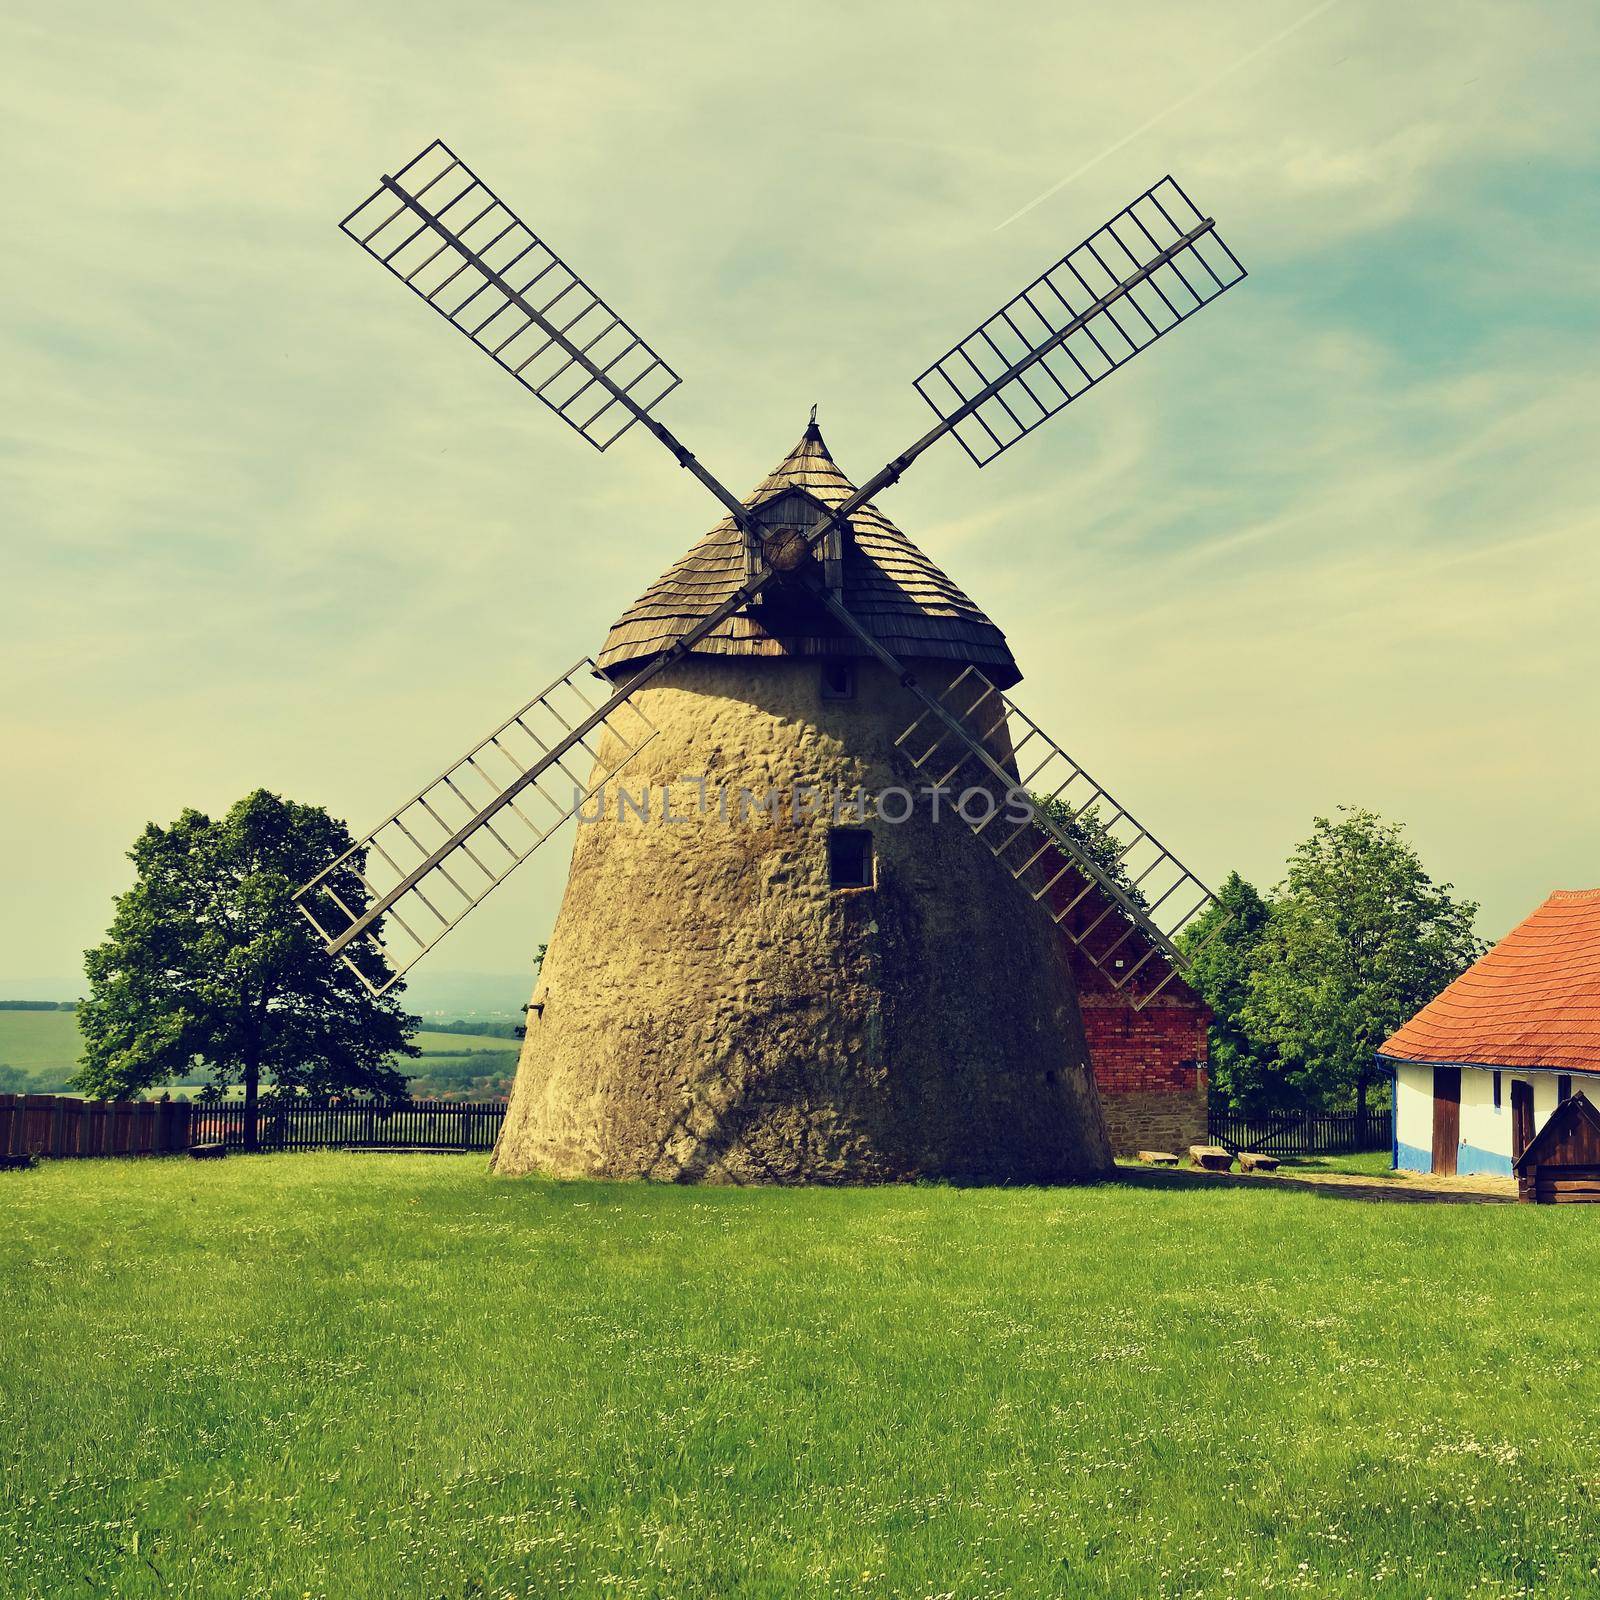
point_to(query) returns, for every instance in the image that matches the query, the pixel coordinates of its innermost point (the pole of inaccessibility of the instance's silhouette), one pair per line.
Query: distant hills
(39, 1053)
(39, 1040)
(427, 994)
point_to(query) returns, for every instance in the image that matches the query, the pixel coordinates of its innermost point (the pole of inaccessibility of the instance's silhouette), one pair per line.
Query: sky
(265, 522)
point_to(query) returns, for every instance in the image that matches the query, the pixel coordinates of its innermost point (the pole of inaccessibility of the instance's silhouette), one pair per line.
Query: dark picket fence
(354, 1124)
(61, 1125)
(1334, 1133)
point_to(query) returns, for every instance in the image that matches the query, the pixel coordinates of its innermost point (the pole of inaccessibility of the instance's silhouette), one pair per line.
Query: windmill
(749, 988)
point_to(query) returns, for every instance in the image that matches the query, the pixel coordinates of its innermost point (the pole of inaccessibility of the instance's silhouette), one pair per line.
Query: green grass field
(457, 1044)
(354, 1376)
(1368, 1163)
(39, 1041)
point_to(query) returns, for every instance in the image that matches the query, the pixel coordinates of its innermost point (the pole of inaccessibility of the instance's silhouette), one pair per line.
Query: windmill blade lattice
(1152, 266)
(453, 242)
(439, 229)
(448, 846)
(1111, 886)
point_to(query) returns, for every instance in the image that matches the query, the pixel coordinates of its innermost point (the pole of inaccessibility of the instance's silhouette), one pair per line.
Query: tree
(1245, 1071)
(1093, 836)
(1359, 937)
(208, 963)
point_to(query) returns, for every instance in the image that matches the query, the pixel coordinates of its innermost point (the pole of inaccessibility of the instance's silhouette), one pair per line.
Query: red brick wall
(1161, 1049)
(1149, 1065)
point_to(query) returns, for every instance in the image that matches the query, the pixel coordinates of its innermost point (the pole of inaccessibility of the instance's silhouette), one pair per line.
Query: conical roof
(901, 596)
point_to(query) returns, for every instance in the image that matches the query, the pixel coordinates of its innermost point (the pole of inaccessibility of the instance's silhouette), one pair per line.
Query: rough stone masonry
(712, 1008)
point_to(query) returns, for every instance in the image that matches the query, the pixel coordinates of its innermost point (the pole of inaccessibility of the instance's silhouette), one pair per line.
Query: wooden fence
(299, 1124)
(1332, 1133)
(60, 1125)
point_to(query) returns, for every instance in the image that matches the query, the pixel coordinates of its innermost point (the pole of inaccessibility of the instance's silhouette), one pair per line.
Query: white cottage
(1478, 1071)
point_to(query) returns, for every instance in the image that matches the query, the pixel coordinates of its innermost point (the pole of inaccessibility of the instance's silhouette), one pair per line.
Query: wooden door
(1521, 1117)
(1446, 1118)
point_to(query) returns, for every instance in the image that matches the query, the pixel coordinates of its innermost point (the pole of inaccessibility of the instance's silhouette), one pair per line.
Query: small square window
(838, 680)
(850, 864)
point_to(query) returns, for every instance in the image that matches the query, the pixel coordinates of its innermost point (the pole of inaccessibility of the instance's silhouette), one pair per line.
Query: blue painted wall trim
(1407, 1158)
(1471, 1161)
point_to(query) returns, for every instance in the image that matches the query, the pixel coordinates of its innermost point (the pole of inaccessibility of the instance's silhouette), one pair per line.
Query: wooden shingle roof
(1532, 1001)
(906, 601)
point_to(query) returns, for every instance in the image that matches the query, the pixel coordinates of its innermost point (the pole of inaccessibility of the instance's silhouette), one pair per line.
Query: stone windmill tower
(827, 875)
(799, 994)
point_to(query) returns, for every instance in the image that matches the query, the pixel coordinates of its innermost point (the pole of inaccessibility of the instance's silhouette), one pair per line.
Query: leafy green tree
(1245, 1071)
(1093, 835)
(13, 1080)
(208, 964)
(1359, 937)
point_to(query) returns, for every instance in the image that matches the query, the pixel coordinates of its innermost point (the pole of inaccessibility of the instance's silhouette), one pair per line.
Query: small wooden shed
(1561, 1166)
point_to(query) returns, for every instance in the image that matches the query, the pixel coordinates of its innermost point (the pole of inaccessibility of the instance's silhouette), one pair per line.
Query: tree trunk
(252, 1087)
(1361, 1109)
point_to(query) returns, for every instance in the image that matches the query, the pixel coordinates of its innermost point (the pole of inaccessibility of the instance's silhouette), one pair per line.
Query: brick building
(1149, 1066)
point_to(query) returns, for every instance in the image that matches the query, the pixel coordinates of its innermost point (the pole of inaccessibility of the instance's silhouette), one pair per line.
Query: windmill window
(838, 680)
(850, 860)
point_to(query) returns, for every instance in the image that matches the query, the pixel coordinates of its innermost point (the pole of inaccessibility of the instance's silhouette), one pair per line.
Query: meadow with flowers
(364, 1377)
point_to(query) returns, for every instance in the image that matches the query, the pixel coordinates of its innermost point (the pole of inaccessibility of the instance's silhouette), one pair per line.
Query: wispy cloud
(267, 522)
(1171, 109)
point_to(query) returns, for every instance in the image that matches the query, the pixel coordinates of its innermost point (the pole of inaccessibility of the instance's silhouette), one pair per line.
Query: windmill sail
(1111, 886)
(1152, 266)
(449, 238)
(445, 234)
(443, 851)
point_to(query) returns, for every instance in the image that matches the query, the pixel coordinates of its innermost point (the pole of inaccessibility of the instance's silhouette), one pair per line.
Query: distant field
(456, 1044)
(39, 1041)
(366, 1377)
(47, 1043)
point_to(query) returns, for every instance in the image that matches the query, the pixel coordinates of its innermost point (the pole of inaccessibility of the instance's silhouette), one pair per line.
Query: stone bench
(1250, 1161)
(1211, 1158)
(1158, 1158)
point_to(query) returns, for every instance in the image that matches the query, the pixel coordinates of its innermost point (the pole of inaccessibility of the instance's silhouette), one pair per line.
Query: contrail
(1161, 116)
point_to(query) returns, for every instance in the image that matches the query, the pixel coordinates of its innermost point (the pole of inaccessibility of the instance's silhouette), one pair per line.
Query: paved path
(1404, 1187)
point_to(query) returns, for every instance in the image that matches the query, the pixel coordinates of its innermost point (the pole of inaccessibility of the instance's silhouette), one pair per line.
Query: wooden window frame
(848, 670)
(861, 839)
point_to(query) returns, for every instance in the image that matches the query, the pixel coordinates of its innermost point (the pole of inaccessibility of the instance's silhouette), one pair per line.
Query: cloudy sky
(265, 522)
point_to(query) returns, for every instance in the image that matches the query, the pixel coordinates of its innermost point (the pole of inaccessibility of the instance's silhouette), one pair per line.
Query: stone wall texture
(1154, 1120)
(710, 1009)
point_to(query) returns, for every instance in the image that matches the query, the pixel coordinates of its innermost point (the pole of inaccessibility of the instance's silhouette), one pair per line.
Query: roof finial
(812, 430)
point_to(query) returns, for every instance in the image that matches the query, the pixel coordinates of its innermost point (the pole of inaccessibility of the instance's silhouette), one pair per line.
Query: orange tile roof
(1532, 1001)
